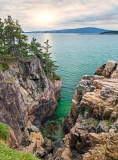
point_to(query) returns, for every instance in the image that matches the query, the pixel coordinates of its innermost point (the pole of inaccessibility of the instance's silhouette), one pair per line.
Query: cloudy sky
(60, 14)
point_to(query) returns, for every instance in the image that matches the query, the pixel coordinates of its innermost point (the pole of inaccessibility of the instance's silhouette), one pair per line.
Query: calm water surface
(77, 55)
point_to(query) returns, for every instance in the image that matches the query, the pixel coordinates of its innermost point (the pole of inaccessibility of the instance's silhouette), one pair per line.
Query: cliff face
(92, 124)
(27, 99)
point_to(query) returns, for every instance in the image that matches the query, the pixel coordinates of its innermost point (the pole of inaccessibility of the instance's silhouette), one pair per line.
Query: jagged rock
(115, 73)
(107, 69)
(27, 99)
(48, 145)
(92, 123)
(94, 138)
(92, 129)
(34, 128)
(107, 149)
(13, 143)
(105, 92)
(102, 127)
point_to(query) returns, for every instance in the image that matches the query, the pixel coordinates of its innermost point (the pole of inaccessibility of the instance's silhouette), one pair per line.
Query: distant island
(110, 32)
(85, 30)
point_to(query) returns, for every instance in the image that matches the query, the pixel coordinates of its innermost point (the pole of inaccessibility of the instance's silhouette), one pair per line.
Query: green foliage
(108, 123)
(12, 39)
(4, 132)
(14, 42)
(36, 48)
(55, 77)
(7, 153)
(48, 64)
(4, 66)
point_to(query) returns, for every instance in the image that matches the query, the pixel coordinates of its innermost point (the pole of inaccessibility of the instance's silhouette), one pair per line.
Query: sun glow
(45, 18)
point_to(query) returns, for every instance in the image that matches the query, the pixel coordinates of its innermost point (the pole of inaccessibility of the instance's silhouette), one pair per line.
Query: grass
(7, 153)
(4, 132)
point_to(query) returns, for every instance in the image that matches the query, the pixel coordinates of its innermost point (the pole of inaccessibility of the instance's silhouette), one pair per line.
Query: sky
(61, 14)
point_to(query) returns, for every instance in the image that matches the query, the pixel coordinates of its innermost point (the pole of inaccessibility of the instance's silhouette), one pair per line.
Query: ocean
(76, 55)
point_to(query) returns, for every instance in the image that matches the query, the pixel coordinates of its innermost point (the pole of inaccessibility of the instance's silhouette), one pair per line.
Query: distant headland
(85, 30)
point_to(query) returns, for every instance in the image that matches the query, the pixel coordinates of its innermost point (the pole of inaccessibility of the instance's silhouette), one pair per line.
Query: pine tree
(15, 40)
(14, 43)
(21, 41)
(49, 64)
(36, 48)
(2, 42)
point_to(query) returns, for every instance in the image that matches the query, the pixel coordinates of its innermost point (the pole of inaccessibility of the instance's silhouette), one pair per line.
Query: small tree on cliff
(46, 56)
(14, 40)
(2, 41)
(49, 64)
(36, 48)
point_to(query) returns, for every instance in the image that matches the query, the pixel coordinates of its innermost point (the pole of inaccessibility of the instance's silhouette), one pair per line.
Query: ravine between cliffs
(28, 99)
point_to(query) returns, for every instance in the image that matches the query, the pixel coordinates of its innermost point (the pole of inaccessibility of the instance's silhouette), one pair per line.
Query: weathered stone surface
(48, 145)
(92, 124)
(107, 149)
(107, 69)
(27, 99)
(102, 127)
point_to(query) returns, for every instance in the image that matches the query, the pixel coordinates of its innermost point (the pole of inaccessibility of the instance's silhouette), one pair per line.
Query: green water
(76, 55)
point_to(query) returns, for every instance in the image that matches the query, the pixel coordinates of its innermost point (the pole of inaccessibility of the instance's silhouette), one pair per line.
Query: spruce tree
(36, 48)
(49, 64)
(2, 41)
(15, 40)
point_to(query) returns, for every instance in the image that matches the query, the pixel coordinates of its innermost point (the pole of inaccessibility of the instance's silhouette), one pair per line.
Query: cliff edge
(27, 99)
(92, 124)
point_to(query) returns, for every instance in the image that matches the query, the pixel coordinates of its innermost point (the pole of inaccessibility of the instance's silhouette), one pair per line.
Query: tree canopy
(14, 42)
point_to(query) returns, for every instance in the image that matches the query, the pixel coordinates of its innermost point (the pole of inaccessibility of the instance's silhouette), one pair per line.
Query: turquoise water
(77, 55)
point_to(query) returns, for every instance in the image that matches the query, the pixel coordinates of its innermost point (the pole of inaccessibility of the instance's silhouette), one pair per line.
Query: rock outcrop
(27, 99)
(92, 124)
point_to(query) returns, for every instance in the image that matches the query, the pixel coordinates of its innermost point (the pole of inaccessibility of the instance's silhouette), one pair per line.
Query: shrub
(55, 77)
(4, 66)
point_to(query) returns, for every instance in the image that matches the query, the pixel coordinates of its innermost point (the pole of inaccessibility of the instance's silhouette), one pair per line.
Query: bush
(4, 132)
(4, 66)
(55, 77)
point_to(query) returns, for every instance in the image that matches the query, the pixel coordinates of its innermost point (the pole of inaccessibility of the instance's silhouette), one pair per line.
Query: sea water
(76, 55)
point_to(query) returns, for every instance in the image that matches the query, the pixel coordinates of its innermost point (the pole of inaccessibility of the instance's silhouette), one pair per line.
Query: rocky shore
(92, 125)
(27, 99)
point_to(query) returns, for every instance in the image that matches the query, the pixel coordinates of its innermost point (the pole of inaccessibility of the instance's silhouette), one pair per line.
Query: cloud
(66, 13)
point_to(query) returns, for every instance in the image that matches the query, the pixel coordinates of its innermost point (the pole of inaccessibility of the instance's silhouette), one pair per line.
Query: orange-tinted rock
(92, 123)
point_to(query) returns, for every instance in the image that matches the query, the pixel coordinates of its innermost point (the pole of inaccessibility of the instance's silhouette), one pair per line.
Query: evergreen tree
(49, 64)
(2, 46)
(36, 48)
(21, 41)
(15, 40)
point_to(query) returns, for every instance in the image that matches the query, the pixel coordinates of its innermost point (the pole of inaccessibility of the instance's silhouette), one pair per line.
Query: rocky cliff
(92, 124)
(27, 99)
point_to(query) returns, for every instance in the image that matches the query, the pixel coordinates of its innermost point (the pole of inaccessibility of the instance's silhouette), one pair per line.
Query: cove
(76, 55)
